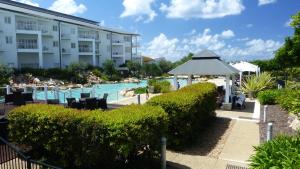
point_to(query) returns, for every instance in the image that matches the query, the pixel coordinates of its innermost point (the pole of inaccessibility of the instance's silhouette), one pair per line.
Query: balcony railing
(85, 49)
(117, 41)
(27, 44)
(47, 49)
(117, 53)
(26, 25)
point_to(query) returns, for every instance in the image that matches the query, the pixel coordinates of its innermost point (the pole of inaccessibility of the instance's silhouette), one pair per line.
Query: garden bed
(281, 122)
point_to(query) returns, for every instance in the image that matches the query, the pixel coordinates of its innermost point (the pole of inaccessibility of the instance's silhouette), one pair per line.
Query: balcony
(117, 54)
(27, 25)
(65, 51)
(47, 49)
(27, 45)
(65, 36)
(85, 49)
(135, 45)
(117, 42)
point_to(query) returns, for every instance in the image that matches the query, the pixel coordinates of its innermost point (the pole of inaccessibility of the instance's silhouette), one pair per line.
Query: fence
(12, 158)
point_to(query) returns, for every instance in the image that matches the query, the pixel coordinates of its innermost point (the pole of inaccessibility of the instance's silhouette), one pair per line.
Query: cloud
(249, 25)
(139, 9)
(221, 43)
(28, 2)
(205, 9)
(68, 7)
(265, 2)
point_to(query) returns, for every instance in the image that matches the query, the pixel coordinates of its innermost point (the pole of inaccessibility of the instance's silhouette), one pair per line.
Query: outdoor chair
(52, 101)
(18, 99)
(70, 101)
(240, 101)
(91, 103)
(103, 101)
(28, 97)
(8, 98)
(84, 95)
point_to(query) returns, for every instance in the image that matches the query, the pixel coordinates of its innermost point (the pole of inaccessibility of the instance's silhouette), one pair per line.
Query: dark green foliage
(109, 68)
(140, 90)
(165, 65)
(279, 153)
(269, 97)
(290, 101)
(134, 68)
(89, 139)
(183, 60)
(188, 110)
(160, 86)
(5, 74)
(151, 70)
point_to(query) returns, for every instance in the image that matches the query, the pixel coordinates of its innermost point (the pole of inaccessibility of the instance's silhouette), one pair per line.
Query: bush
(5, 74)
(140, 90)
(89, 139)
(269, 97)
(290, 101)
(254, 84)
(188, 110)
(281, 152)
(160, 86)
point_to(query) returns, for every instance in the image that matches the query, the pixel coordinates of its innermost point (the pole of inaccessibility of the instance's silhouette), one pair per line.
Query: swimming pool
(113, 90)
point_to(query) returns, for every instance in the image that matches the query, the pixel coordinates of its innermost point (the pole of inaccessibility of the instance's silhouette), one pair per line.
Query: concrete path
(237, 148)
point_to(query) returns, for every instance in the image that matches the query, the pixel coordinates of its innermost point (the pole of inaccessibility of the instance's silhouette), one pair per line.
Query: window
(72, 31)
(127, 38)
(108, 36)
(9, 39)
(73, 45)
(55, 43)
(7, 20)
(55, 27)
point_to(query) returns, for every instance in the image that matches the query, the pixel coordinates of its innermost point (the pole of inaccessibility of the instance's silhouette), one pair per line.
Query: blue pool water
(113, 90)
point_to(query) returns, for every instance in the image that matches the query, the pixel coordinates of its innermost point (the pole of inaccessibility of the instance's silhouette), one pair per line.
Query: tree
(134, 68)
(109, 68)
(183, 60)
(5, 74)
(165, 65)
(151, 70)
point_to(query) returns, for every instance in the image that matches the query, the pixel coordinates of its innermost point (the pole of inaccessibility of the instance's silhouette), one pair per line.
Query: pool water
(113, 91)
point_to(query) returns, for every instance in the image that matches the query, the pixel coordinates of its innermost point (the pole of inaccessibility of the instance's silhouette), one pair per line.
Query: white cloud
(205, 9)
(68, 7)
(28, 2)
(139, 9)
(222, 43)
(265, 2)
(249, 25)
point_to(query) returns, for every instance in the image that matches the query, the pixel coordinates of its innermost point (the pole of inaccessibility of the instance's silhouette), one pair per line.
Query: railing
(117, 41)
(27, 44)
(85, 49)
(12, 157)
(26, 25)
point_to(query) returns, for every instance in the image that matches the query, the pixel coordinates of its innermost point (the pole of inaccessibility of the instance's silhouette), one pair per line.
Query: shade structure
(246, 67)
(205, 63)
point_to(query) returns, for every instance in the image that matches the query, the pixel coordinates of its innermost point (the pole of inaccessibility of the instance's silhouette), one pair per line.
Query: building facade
(39, 38)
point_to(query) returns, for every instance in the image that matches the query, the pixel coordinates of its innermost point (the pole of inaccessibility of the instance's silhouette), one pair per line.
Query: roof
(204, 63)
(115, 30)
(245, 67)
(38, 9)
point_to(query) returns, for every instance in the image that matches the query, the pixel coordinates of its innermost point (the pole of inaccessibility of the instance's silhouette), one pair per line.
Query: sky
(234, 29)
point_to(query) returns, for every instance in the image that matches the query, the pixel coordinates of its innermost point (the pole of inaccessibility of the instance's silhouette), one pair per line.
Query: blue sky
(235, 29)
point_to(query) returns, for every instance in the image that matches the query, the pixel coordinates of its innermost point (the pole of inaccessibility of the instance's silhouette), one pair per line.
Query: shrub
(188, 110)
(140, 90)
(160, 86)
(281, 152)
(269, 97)
(255, 84)
(89, 139)
(5, 74)
(290, 101)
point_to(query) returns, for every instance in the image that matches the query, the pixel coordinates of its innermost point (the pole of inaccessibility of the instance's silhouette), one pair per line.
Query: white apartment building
(40, 38)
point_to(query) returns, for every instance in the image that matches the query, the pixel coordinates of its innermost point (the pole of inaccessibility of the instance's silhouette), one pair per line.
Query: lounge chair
(91, 103)
(18, 99)
(8, 98)
(70, 101)
(84, 95)
(52, 101)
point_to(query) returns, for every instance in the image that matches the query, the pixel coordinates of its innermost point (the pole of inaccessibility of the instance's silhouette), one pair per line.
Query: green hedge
(160, 86)
(269, 97)
(89, 139)
(279, 153)
(188, 110)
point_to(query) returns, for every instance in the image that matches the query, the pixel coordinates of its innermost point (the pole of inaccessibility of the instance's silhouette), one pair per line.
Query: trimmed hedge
(89, 139)
(188, 110)
(269, 97)
(279, 153)
(160, 86)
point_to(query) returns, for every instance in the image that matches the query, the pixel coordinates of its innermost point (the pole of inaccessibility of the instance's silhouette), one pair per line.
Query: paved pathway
(237, 147)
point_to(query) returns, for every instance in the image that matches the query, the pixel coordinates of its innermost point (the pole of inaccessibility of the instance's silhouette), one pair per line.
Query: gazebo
(246, 67)
(206, 63)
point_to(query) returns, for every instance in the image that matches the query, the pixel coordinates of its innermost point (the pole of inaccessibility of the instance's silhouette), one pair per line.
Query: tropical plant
(109, 68)
(279, 153)
(254, 84)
